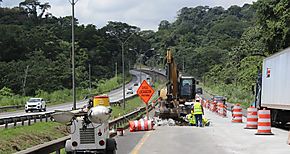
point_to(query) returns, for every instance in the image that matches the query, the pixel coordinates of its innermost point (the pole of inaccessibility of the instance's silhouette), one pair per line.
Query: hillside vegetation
(221, 47)
(224, 47)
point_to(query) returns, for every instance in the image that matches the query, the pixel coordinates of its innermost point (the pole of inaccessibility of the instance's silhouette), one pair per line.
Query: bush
(6, 92)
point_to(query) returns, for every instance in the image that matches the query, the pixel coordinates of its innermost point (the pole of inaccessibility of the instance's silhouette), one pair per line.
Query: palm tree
(30, 7)
(43, 8)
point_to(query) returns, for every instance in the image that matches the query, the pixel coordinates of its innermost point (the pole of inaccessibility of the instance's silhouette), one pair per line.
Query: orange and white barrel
(218, 108)
(264, 122)
(203, 102)
(252, 118)
(214, 107)
(224, 114)
(237, 114)
(141, 125)
(208, 104)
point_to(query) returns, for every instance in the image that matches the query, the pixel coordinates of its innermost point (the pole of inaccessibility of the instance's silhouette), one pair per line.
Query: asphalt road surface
(222, 136)
(115, 95)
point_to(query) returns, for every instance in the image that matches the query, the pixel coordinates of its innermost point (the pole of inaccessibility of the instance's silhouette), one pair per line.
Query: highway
(222, 136)
(115, 95)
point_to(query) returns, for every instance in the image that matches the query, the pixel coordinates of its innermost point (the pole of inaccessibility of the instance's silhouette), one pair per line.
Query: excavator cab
(187, 88)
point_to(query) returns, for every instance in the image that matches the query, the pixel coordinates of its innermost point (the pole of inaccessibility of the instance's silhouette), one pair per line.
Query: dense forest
(36, 46)
(218, 46)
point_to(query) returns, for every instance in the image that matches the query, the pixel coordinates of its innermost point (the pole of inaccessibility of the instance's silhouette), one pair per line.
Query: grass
(20, 138)
(234, 94)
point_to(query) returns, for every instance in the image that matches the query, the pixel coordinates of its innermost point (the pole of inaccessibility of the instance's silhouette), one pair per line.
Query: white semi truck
(273, 87)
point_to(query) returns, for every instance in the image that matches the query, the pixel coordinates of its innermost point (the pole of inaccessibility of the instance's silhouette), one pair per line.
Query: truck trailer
(273, 87)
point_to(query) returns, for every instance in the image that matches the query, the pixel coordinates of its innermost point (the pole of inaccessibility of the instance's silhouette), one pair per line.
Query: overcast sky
(145, 14)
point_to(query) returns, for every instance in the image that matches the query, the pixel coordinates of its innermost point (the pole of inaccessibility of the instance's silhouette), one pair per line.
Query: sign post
(145, 92)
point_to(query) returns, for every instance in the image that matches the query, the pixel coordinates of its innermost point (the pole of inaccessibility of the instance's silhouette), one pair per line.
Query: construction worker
(191, 119)
(198, 112)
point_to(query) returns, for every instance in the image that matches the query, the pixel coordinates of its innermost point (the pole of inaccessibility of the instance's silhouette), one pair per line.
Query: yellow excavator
(178, 96)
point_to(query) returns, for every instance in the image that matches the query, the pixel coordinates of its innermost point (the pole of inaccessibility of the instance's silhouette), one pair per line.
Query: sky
(145, 14)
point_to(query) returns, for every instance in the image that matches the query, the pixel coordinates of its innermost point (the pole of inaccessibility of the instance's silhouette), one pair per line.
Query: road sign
(145, 91)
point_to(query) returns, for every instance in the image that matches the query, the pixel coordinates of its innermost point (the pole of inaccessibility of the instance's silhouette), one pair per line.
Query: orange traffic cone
(252, 118)
(264, 122)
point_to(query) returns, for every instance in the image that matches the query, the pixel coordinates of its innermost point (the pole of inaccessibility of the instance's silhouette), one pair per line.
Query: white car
(130, 91)
(35, 104)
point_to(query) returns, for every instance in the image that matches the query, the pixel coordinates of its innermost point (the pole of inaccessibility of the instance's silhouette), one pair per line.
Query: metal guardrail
(57, 145)
(22, 119)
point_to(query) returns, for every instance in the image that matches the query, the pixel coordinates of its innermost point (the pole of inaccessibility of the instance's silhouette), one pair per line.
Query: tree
(274, 21)
(31, 7)
(44, 7)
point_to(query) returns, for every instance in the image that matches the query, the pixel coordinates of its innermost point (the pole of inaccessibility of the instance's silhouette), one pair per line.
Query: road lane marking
(140, 144)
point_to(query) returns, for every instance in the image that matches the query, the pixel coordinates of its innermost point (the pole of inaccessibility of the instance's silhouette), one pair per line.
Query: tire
(44, 109)
(111, 146)
(26, 111)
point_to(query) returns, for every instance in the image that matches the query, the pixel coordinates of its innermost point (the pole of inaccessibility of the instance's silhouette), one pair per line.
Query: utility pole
(140, 68)
(183, 69)
(73, 2)
(129, 65)
(123, 73)
(123, 64)
(90, 82)
(24, 81)
(116, 69)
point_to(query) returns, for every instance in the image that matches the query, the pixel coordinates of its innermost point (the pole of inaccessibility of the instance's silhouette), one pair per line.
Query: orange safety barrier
(203, 102)
(213, 107)
(237, 114)
(220, 108)
(207, 104)
(224, 108)
(218, 105)
(252, 118)
(141, 125)
(264, 122)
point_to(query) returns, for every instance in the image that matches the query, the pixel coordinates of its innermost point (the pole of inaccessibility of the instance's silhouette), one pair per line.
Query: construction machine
(178, 96)
(89, 128)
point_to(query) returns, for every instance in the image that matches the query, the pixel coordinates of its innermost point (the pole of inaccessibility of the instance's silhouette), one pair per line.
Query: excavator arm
(172, 76)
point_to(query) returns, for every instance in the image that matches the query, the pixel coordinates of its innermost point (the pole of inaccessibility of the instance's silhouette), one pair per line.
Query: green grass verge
(130, 105)
(20, 138)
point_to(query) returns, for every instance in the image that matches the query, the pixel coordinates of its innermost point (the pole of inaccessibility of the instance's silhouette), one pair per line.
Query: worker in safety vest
(191, 119)
(198, 112)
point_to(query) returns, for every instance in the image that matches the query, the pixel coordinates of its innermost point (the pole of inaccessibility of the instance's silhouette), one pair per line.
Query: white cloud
(142, 13)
